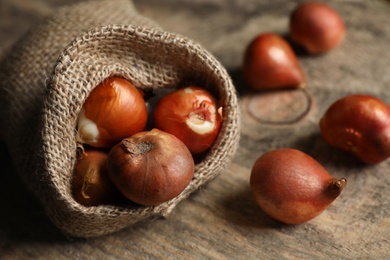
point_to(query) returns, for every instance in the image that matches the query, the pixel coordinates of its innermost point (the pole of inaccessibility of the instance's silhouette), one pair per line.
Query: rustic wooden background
(222, 221)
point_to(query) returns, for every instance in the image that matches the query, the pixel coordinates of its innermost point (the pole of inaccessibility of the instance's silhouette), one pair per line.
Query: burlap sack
(48, 74)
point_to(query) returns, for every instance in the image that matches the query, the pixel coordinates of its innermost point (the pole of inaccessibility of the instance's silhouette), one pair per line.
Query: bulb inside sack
(192, 115)
(114, 110)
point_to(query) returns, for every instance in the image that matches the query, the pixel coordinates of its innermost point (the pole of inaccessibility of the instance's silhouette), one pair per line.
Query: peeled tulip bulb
(192, 115)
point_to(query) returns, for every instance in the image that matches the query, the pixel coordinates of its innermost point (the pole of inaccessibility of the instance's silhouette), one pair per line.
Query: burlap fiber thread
(48, 74)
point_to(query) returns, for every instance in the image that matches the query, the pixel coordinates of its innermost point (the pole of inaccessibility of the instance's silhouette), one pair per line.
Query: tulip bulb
(91, 185)
(192, 115)
(291, 186)
(270, 63)
(359, 124)
(115, 109)
(317, 27)
(150, 167)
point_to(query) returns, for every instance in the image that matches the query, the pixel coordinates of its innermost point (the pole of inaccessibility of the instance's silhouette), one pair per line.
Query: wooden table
(222, 220)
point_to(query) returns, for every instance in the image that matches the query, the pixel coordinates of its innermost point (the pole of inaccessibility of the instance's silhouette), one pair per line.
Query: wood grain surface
(222, 220)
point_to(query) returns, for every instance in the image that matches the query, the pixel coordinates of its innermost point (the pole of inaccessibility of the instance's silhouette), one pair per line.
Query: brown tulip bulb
(91, 185)
(151, 167)
(114, 110)
(192, 115)
(317, 27)
(359, 124)
(270, 63)
(291, 186)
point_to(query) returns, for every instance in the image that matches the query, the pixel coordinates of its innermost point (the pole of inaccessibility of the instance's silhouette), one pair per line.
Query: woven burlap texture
(49, 73)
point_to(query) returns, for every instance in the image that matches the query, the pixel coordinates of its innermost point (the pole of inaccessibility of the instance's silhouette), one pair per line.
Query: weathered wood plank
(222, 221)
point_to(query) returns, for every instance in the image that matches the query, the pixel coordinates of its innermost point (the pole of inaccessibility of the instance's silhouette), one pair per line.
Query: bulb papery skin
(150, 168)
(191, 114)
(115, 109)
(291, 186)
(270, 63)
